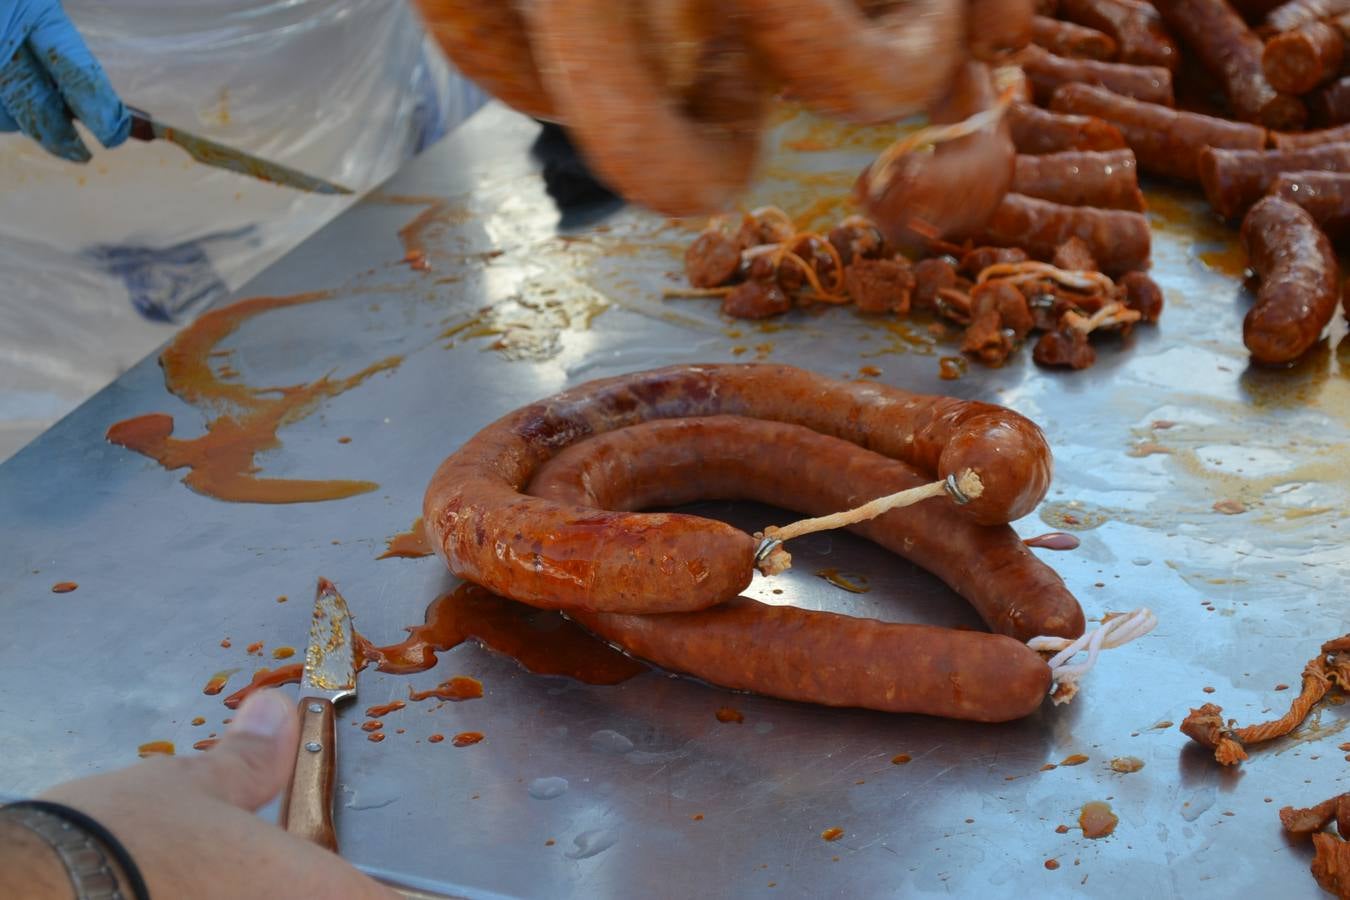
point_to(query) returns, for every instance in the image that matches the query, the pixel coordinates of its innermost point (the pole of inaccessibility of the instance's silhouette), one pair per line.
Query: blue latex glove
(48, 76)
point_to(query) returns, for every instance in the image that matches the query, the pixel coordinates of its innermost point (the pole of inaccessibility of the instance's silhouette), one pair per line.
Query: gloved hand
(48, 76)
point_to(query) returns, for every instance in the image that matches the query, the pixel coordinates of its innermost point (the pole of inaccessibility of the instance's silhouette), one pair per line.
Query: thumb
(254, 760)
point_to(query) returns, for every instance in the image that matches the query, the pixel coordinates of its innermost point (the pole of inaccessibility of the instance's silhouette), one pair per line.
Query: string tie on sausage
(1115, 631)
(772, 559)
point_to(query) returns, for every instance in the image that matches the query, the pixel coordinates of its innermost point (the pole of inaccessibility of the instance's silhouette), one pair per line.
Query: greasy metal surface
(650, 794)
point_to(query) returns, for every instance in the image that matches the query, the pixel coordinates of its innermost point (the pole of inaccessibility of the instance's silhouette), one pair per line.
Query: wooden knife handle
(307, 809)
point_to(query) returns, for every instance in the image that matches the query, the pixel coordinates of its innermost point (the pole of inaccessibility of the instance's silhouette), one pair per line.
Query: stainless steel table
(519, 302)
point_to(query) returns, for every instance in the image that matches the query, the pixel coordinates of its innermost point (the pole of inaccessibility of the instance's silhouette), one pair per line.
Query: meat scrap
(756, 300)
(1074, 254)
(1064, 348)
(1331, 852)
(1206, 725)
(880, 285)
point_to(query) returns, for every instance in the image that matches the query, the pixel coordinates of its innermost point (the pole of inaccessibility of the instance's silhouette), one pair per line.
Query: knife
(145, 128)
(330, 676)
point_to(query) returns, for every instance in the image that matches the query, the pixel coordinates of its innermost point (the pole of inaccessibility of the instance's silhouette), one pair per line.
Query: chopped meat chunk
(810, 250)
(1064, 348)
(931, 276)
(1008, 302)
(1309, 819)
(857, 240)
(713, 258)
(880, 285)
(1075, 256)
(1143, 294)
(980, 258)
(987, 339)
(756, 300)
(1331, 864)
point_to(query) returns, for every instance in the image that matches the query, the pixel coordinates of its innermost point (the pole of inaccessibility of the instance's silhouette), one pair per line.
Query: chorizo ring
(1235, 179)
(1298, 60)
(859, 68)
(488, 44)
(560, 556)
(1300, 281)
(1106, 180)
(1325, 195)
(1135, 26)
(1036, 130)
(1074, 41)
(677, 155)
(1118, 239)
(1149, 84)
(824, 657)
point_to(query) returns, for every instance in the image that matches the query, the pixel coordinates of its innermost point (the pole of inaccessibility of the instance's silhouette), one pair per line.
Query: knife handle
(307, 809)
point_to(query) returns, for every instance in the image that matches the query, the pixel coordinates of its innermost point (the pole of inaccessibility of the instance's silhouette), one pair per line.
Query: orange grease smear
(385, 709)
(155, 748)
(410, 544)
(542, 641)
(221, 462)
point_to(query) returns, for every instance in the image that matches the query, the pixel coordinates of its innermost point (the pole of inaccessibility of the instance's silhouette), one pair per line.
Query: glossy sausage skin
(1165, 141)
(1297, 13)
(1232, 53)
(1325, 196)
(1300, 281)
(1108, 180)
(677, 154)
(1070, 40)
(669, 462)
(560, 556)
(1235, 179)
(844, 65)
(1151, 84)
(1297, 61)
(1330, 104)
(1118, 240)
(1035, 130)
(1286, 140)
(824, 657)
(1135, 25)
(950, 193)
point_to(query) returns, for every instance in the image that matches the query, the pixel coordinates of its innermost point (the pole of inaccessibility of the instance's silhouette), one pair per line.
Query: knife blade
(329, 677)
(145, 128)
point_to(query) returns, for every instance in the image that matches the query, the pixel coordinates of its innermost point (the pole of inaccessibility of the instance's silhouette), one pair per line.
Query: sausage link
(1136, 27)
(837, 660)
(1107, 180)
(1330, 104)
(1165, 141)
(669, 462)
(997, 27)
(1235, 179)
(1297, 13)
(1299, 60)
(1288, 140)
(558, 556)
(1300, 281)
(1325, 196)
(951, 193)
(678, 155)
(1232, 53)
(1151, 84)
(1035, 130)
(1117, 239)
(488, 44)
(1070, 40)
(860, 69)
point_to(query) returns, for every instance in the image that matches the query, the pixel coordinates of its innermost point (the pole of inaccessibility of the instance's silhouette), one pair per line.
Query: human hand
(188, 821)
(49, 76)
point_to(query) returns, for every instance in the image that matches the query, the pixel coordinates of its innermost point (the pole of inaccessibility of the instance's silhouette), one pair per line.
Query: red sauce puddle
(1055, 540)
(456, 689)
(222, 462)
(542, 641)
(410, 544)
(385, 709)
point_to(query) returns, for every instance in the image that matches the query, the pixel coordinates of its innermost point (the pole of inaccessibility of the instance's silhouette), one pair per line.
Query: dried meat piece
(880, 285)
(856, 238)
(1331, 864)
(930, 277)
(1008, 302)
(978, 259)
(756, 300)
(1064, 348)
(1142, 294)
(986, 339)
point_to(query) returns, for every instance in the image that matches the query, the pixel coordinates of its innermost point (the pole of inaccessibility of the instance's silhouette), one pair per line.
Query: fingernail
(76, 152)
(264, 713)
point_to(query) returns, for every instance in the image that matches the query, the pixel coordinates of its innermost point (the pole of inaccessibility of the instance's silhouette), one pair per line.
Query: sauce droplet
(900, 759)
(1127, 764)
(729, 714)
(435, 738)
(283, 652)
(226, 643)
(854, 584)
(254, 649)
(199, 720)
(282, 599)
(950, 368)
(372, 725)
(832, 834)
(697, 817)
(466, 738)
(384, 709)
(64, 587)
(1096, 819)
(155, 748)
(1052, 864)
(216, 683)
(1076, 759)
(461, 687)
(375, 736)
(1055, 540)
(206, 744)
(410, 544)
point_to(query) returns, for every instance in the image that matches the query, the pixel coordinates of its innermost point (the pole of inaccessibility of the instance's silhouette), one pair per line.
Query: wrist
(29, 866)
(92, 863)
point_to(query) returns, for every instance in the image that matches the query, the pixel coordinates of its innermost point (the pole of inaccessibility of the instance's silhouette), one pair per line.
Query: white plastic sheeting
(343, 89)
